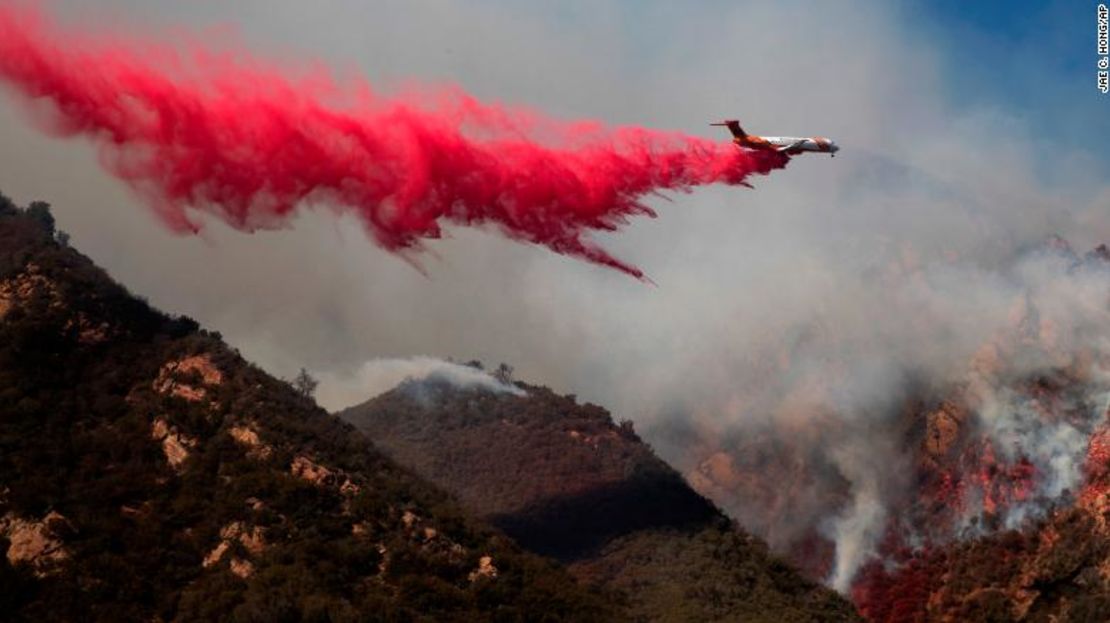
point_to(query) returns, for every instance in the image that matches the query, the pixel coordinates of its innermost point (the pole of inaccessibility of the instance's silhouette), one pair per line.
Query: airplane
(789, 145)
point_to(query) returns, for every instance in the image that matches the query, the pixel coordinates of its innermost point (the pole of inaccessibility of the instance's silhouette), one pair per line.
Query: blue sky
(1036, 60)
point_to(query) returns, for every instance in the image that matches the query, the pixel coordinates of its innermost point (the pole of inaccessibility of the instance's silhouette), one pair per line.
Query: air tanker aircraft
(789, 145)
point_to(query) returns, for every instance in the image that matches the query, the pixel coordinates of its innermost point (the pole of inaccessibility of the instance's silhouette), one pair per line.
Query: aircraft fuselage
(792, 144)
(789, 145)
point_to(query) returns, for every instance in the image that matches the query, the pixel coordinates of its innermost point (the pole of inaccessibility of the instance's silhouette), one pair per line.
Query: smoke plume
(960, 423)
(249, 146)
(380, 375)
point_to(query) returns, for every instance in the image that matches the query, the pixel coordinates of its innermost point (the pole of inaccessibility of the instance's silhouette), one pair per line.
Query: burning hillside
(1006, 459)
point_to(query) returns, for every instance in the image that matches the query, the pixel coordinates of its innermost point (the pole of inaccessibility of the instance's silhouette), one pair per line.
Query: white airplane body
(789, 145)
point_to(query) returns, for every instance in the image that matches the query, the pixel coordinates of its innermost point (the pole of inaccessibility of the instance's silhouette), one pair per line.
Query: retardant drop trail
(191, 130)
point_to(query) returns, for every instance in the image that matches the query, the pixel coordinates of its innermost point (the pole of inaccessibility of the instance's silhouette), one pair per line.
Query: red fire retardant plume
(249, 145)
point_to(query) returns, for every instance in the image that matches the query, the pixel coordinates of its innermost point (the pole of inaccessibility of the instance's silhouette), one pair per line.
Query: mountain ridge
(147, 471)
(565, 480)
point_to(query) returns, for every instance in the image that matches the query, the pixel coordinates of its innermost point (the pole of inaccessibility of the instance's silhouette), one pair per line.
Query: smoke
(1018, 346)
(791, 325)
(1055, 449)
(841, 420)
(860, 524)
(380, 375)
(250, 146)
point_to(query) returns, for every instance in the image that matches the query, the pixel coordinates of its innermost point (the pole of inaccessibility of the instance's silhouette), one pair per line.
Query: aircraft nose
(833, 147)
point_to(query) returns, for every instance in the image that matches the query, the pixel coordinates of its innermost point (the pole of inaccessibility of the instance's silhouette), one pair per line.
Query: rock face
(564, 480)
(251, 540)
(29, 284)
(308, 470)
(34, 542)
(247, 436)
(485, 569)
(174, 445)
(189, 378)
(151, 474)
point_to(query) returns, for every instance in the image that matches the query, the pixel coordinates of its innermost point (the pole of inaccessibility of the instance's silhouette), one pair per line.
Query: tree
(504, 373)
(6, 205)
(305, 384)
(40, 212)
(628, 430)
(62, 238)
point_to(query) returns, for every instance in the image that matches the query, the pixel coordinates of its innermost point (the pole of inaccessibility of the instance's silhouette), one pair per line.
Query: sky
(966, 139)
(1035, 59)
(918, 95)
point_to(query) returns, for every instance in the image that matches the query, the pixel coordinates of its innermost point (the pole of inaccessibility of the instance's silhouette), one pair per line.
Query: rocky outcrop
(88, 331)
(942, 430)
(175, 445)
(25, 286)
(35, 542)
(188, 378)
(306, 469)
(252, 541)
(241, 567)
(485, 569)
(246, 435)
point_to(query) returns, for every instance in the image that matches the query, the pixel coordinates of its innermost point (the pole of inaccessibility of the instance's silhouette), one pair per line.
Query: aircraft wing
(791, 146)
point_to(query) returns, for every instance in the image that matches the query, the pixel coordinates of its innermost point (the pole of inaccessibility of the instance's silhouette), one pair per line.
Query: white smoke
(1045, 316)
(1055, 447)
(860, 525)
(381, 375)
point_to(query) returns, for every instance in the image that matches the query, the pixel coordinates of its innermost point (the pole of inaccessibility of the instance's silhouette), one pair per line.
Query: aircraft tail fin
(733, 126)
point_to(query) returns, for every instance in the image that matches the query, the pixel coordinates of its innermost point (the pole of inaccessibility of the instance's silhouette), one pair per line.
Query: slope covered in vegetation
(564, 480)
(148, 472)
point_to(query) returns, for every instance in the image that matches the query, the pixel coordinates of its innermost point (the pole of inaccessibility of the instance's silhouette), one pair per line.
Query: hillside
(998, 499)
(562, 479)
(148, 472)
(1028, 554)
